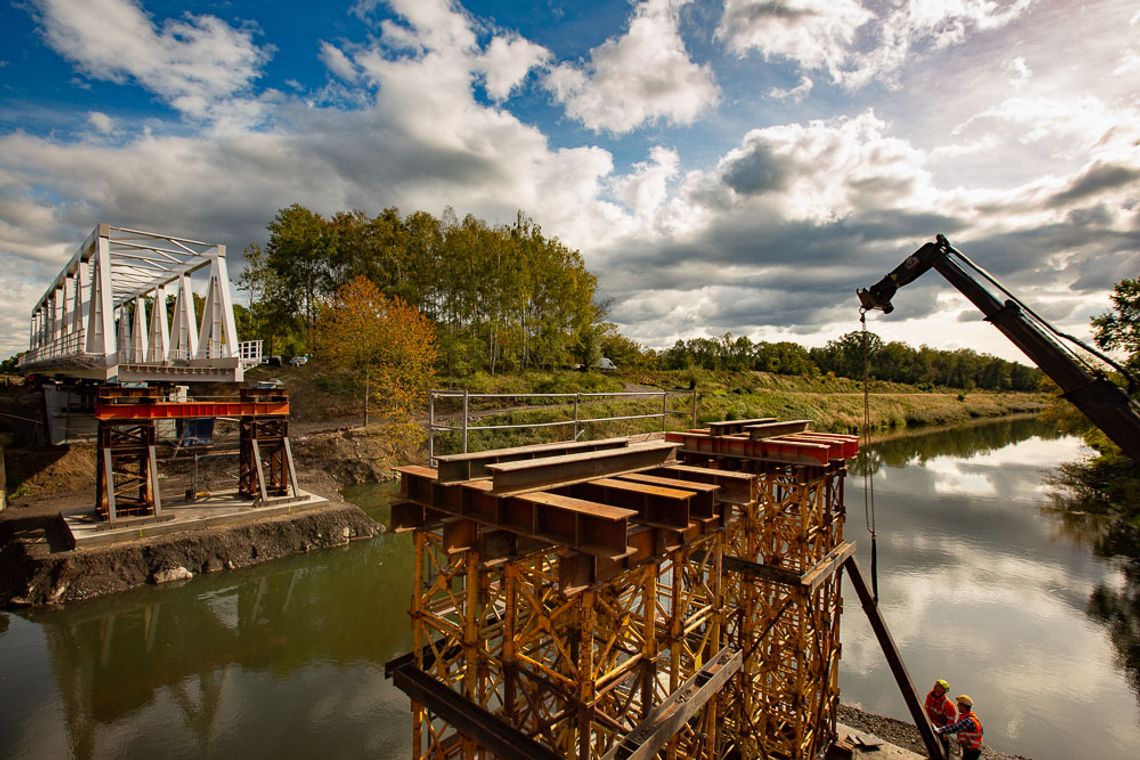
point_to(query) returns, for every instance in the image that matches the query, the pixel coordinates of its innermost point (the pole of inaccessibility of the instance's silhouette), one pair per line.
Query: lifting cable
(864, 451)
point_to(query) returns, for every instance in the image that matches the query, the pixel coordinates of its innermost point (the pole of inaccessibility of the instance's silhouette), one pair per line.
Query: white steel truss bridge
(123, 307)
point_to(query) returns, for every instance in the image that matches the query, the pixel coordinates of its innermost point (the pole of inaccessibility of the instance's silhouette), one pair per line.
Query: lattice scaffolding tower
(609, 599)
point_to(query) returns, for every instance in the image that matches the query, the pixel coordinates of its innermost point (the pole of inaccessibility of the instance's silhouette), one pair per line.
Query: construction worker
(940, 710)
(968, 728)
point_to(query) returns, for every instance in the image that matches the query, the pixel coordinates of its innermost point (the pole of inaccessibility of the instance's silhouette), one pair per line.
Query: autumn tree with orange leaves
(390, 346)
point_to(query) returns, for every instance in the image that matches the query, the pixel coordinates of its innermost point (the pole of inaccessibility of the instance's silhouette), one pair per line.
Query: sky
(739, 166)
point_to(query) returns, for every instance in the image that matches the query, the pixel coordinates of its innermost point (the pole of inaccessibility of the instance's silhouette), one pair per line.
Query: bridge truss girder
(106, 314)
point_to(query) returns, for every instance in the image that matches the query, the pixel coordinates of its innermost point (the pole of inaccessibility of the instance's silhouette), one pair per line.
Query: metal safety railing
(572, 403)
(249, 352)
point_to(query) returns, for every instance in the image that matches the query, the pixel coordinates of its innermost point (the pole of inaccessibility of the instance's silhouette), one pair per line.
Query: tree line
(844, 357)
(507, 298)
(501, 298)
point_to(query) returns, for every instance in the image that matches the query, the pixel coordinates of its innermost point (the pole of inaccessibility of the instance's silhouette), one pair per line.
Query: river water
(978, 584)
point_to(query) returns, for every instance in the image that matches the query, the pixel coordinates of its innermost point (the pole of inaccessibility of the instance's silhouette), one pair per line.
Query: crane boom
(1102, 401)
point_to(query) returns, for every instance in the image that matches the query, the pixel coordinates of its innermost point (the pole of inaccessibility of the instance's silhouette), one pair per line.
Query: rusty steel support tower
(675, 599)
(126, 466)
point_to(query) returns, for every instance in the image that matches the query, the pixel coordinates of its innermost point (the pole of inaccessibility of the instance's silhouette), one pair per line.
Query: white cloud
(823, 171)
(191, 63)
(816, 33)
(337, 62)
(646, 187)
(1019, 71)
(640, 78)
(849, 41)
(796, 94)
(507, 61)
(101, 122)
(1070, 126)
(436, 25)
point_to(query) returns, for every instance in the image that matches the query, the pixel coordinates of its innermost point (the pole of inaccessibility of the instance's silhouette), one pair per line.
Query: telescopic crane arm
(1102, 401)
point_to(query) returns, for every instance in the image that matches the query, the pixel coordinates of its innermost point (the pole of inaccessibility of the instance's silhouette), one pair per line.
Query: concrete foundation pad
(86, 529)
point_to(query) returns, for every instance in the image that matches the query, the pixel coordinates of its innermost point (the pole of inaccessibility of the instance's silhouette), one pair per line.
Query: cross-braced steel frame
(575, 671)
(784, 589)
(716, 639)
(126, 465)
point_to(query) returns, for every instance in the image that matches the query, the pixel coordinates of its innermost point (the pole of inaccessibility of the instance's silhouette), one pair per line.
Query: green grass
(832, 404)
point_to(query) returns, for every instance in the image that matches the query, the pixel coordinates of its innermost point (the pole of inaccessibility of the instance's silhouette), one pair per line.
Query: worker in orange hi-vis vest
(941, 710)
(968, 728)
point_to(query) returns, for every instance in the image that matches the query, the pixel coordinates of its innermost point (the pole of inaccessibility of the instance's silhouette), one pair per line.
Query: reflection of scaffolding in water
(715, 630)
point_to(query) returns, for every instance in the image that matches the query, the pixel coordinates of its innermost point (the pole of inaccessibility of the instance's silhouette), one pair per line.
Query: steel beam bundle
(676, 610)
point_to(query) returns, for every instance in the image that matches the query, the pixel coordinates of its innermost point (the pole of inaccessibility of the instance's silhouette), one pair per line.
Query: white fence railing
(249, 353)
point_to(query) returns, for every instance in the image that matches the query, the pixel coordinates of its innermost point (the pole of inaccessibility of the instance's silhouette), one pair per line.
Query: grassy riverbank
(832, 403)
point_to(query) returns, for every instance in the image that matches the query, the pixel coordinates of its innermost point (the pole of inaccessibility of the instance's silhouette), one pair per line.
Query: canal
(980, 583)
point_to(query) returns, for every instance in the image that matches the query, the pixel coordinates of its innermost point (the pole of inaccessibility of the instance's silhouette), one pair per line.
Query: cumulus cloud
(192, 63)
(337, 62)
(507, 61)
(642, 77)
(816, 33)
(646, 187)
(102, 123)
(849, 41)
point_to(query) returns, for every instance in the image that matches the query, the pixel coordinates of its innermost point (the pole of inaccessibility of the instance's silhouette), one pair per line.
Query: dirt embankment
(38, 567)
(36, 571)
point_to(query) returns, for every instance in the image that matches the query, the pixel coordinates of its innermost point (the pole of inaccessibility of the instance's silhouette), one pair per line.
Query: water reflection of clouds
(1012, 472)
(978, 588)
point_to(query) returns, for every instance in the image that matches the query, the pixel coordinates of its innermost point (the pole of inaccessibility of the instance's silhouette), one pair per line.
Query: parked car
(298, 361)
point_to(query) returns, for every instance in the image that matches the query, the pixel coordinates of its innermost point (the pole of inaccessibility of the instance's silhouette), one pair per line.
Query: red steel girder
(781, 448)
(180, 410)
(547, 472)
(655, 504)
(703, 495)
(735, 487)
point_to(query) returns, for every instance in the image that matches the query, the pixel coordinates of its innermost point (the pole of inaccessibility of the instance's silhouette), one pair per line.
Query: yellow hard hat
(964, 699)
(944, 684)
